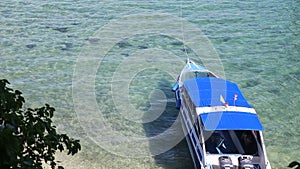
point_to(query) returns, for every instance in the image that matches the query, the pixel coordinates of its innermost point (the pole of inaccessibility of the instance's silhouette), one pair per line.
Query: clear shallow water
(258, 45)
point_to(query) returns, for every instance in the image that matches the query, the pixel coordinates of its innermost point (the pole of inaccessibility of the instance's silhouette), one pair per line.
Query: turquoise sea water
(41, 43)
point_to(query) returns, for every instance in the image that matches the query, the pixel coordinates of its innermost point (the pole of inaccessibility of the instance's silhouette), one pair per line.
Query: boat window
(187, 75)
(190, 106)
(197, 127)
(210, 75)
(194, 74)
(219, 142)
(201, 74)
(248, 141)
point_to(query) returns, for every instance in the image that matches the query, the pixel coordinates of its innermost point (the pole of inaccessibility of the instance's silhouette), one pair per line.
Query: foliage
(295, 164)
(27, 137)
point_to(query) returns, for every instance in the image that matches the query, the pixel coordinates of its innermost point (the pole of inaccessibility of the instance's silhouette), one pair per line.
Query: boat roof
(222, 104)
(231, 120)
(206, 91)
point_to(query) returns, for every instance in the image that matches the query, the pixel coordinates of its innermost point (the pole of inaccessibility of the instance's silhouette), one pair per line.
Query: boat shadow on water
(169, 151)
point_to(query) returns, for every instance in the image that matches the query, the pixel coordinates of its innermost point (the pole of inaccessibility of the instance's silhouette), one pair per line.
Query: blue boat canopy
(210, 92)
(231, 121)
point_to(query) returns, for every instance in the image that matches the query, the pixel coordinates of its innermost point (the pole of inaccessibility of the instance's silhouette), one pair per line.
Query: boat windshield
(194, 74)
(231, 142)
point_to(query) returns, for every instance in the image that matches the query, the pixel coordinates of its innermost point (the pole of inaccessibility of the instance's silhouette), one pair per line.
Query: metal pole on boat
(235, 98)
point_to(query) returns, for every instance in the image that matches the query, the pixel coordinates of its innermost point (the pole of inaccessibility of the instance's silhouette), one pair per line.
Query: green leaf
(17, 92)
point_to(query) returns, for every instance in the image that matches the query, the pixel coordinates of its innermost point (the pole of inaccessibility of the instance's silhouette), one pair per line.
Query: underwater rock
(30, 46)
(66, 46)
(123, 44)
(177, 43)
(75, 23)
(61, 29)
(186, 50)
(93, 40)
(274, 91)
(125, 54)
(142, 47)
(225, 39)
(252, 83)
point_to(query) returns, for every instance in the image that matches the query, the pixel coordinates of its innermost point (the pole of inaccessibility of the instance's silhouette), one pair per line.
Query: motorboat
(222, 129)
